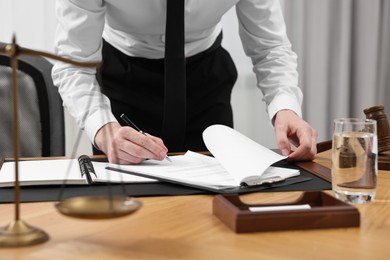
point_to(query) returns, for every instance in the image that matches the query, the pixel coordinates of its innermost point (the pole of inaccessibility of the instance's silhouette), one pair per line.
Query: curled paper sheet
(238, 154)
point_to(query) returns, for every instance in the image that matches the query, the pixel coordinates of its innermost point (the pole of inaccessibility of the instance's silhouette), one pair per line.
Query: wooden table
(183, 227)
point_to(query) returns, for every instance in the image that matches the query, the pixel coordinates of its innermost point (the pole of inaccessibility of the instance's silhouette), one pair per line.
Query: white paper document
(236, 159)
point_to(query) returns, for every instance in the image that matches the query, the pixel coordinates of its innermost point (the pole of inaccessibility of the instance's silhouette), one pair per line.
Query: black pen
(130, 123)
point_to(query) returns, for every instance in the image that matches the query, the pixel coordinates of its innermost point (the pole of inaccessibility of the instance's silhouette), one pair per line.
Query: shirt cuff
(96, 121)
(282, 102)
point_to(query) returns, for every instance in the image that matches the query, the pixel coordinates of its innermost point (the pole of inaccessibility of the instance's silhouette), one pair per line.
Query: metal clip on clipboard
(251, 181)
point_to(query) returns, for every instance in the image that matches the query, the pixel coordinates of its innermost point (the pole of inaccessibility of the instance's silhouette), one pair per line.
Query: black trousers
(135, 86)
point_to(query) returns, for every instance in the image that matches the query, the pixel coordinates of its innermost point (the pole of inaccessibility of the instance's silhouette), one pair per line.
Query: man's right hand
(125, 145)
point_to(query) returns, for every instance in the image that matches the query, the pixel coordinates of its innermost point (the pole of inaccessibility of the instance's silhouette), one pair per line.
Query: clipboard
(325, 212)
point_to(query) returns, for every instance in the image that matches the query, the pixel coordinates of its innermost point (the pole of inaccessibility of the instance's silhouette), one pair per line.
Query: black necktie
(174, 121)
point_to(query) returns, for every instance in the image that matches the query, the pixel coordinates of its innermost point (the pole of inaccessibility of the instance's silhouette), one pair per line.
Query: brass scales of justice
(18, 233)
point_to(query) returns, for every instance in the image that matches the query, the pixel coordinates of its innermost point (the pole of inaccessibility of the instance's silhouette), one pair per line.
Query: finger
(123, 157)
(129, 159)
(158, 140)
(119, 155)
(123, 151)
(282, 140)
(143, 146)
(306, 149)
(156, 146)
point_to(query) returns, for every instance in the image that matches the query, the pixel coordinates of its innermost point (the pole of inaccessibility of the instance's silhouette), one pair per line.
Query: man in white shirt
(129, 37)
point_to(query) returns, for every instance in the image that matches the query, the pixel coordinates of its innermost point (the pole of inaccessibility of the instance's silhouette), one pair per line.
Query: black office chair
(41, 116)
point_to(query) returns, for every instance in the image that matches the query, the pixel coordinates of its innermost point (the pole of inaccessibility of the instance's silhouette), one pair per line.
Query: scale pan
(98, 207)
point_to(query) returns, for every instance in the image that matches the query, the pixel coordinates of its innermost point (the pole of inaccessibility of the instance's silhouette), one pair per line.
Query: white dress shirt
(137, 27)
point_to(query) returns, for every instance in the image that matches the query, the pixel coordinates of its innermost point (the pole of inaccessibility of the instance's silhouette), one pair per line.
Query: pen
(130, 123)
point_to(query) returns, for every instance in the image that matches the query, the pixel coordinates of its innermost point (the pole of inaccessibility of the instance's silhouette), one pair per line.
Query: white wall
(33, 22)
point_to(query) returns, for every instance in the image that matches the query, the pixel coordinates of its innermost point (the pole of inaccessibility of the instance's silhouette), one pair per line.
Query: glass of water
(354, 160)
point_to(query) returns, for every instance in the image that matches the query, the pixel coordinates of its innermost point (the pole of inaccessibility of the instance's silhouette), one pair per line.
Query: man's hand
(125, 145)
(290, 128)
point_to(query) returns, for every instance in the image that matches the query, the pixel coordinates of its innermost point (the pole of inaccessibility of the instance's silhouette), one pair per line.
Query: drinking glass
(354, 160)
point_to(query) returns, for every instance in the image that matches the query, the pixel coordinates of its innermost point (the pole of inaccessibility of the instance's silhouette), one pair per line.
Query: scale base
(98, 207)
(18, 234)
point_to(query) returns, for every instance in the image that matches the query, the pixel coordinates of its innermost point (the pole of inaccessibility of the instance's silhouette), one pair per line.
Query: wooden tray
(325, 212)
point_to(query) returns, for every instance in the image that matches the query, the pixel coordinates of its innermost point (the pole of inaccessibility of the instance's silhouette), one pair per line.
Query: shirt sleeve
(79, 37)
(263, 34)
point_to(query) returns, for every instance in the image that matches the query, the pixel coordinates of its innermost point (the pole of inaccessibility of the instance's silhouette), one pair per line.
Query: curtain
(344, 57)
